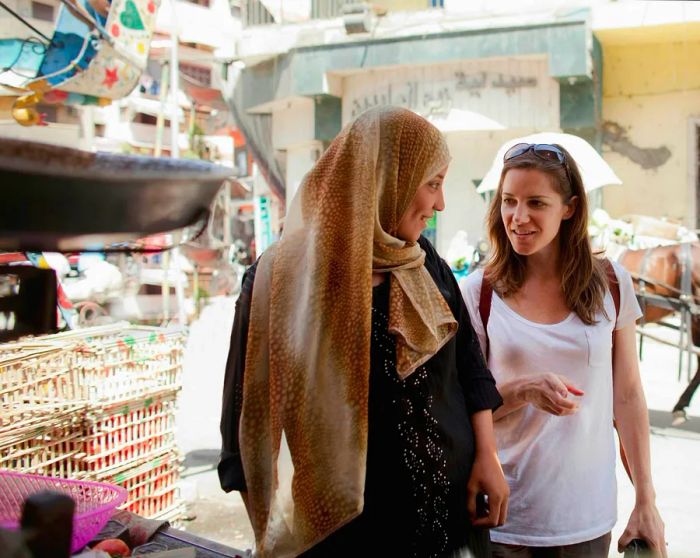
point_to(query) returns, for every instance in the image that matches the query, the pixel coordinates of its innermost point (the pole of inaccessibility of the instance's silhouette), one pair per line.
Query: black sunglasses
(544, 151)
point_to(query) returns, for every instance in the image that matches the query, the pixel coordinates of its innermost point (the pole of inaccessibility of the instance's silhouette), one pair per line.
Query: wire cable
(20, 18)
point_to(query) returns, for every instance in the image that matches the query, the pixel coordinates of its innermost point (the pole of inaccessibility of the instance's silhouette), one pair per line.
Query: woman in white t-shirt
(551, 322)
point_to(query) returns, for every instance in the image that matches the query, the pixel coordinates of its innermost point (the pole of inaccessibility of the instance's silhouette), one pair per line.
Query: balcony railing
(254, 13)
(326, 9)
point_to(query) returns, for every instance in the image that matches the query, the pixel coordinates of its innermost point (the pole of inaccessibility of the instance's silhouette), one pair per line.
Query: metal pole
(174, 85)
(165, 287)
(160, 120)
(179, 288)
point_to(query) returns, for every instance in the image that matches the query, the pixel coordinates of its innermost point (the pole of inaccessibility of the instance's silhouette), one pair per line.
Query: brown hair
(583, 277)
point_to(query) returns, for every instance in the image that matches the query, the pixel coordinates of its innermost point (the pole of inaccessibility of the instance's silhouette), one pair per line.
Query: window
(200, 74)
(42, 11)
(144, 118)
(436, 3)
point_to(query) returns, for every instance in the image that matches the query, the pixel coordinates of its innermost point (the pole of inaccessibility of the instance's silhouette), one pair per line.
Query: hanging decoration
(97, 53)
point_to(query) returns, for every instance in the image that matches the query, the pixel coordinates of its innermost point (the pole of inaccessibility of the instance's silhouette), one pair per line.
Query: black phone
(637, 548)
(482, 505)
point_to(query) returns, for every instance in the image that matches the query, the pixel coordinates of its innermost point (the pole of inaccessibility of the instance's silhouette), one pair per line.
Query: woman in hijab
(357, 405)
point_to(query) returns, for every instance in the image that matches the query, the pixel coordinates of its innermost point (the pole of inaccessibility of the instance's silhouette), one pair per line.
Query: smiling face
(428, 198)
(532, 210)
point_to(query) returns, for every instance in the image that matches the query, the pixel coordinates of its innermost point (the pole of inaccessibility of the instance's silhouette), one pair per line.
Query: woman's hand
(487, 478)
(645, 523)
(550, 393)
(631, 416)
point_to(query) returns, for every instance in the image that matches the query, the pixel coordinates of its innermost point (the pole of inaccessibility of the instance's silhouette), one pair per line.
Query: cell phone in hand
(637, 548)
(482, 505)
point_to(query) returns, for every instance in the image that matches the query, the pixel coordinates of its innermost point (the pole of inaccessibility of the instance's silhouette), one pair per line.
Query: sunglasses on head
(544, 151)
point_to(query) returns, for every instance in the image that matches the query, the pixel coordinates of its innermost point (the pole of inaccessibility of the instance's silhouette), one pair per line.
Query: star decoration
(110, 77)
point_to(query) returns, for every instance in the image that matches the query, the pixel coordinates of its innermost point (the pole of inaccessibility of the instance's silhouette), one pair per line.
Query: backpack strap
(614, 286)
(485, 297)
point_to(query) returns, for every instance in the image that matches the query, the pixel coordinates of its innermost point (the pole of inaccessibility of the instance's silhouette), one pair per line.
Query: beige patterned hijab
(303, 426)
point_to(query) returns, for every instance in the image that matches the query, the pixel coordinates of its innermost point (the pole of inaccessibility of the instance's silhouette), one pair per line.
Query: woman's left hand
(487, 478)
(645, 523)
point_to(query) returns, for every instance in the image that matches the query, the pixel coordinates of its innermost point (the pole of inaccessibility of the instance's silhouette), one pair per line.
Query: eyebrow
(543, 197)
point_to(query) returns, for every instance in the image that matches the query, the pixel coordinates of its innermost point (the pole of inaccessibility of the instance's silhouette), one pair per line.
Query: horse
(660, 272)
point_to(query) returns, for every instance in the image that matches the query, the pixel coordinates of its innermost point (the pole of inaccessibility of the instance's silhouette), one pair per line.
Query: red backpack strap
(614, 286)
(485, 296)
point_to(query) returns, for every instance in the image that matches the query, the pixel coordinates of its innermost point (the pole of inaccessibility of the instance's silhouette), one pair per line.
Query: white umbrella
(594, 170)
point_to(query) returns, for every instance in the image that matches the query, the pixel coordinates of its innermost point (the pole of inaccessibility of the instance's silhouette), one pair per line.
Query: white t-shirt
(561, 470)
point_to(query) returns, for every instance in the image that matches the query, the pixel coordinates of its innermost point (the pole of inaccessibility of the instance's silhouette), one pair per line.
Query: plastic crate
(96, 404)
(121, 436)
(152, 486)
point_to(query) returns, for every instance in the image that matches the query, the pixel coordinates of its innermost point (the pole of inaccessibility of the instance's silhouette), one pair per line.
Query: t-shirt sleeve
(470, 287)
(230, 466)
(629, 307)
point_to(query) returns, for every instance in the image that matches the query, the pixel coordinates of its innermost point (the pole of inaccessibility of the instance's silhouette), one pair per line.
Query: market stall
(89, 413)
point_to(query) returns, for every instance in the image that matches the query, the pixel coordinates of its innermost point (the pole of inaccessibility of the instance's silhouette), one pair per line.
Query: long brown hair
(583, 277)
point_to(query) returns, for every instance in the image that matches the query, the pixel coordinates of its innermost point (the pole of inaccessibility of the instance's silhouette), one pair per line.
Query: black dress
(420, 439)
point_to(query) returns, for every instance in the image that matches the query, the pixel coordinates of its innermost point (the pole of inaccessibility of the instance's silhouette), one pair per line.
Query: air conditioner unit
(357, 18)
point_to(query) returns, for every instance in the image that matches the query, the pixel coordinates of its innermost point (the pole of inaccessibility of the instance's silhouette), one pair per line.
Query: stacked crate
(41, 420)
(97, 404)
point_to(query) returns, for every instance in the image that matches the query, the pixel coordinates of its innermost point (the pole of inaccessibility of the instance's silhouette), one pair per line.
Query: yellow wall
(644, 69)
(651, 92)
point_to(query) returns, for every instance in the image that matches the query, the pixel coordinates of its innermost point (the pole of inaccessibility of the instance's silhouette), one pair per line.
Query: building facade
(651, 108)
(481, 81)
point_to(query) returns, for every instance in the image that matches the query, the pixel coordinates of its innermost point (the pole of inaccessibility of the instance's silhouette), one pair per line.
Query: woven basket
(94, 502)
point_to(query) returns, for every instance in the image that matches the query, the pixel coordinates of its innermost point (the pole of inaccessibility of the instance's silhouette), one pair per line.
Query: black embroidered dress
(420, 440)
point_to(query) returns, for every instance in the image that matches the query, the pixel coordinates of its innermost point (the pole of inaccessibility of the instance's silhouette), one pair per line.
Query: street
(222, 517)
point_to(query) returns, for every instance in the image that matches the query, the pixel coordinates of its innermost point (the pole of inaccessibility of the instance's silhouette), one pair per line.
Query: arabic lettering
(436, 98)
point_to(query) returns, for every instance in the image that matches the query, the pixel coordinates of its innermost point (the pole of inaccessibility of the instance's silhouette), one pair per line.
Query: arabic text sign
(516, 93)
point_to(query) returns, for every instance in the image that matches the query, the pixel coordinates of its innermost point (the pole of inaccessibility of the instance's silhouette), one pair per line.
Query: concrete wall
(61, 134)
(293, 123)
(293, 131)
(300, 159)
(651, 94)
